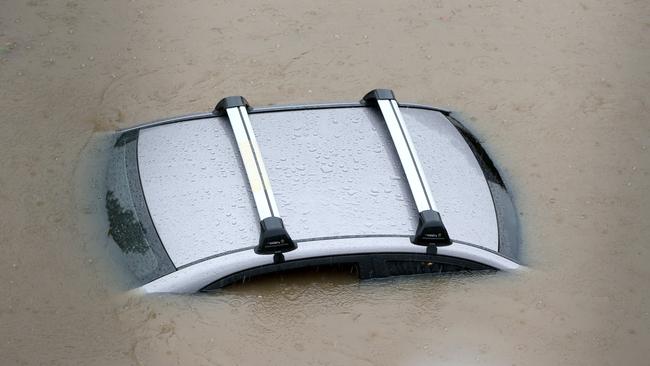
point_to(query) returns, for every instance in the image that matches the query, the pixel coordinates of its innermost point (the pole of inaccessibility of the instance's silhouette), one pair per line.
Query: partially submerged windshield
(129, 223)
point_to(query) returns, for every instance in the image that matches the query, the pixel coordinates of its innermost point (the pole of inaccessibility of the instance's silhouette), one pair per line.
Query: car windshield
(130, 225)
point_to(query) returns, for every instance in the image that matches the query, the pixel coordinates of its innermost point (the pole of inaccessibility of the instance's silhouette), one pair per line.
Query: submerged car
(198, 202)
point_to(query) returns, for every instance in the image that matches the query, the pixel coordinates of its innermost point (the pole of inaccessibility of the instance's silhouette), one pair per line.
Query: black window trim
(370, 265)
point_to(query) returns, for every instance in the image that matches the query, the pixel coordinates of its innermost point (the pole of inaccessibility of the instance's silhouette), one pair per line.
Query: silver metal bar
(407, 155)
(431, 231)
(253, 163)
(274, 238)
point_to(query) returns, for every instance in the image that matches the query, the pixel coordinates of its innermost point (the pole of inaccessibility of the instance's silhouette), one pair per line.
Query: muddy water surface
(559, 92)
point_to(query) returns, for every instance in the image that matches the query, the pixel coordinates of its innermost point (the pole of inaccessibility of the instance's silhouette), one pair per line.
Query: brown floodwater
(559, 92)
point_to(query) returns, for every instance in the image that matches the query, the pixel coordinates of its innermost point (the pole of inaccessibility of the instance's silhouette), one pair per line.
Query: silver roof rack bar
(430, 231)
(274, 238)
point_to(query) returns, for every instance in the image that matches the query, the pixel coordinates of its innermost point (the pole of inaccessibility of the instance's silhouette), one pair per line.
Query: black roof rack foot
(431, 230)
(274, 237)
